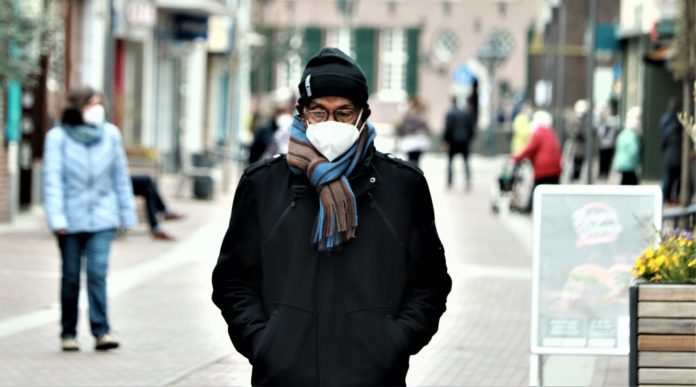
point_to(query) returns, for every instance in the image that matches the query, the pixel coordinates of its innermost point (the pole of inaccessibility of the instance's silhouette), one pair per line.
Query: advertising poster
(586, 241)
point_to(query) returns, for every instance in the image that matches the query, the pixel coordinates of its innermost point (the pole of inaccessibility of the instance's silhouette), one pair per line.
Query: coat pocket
(287, 350)
(271, 325)
(378, 352)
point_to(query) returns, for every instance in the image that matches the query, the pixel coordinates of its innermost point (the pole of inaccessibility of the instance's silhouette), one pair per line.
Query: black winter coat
(671, 139)
(352, 317)
(459, 128)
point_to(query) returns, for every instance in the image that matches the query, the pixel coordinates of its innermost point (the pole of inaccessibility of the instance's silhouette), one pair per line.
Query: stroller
(513, 187)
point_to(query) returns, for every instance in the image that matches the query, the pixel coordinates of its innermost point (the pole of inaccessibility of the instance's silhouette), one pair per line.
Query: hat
(333, 73)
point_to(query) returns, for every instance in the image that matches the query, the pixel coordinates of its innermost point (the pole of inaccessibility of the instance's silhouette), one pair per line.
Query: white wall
(96, 21)
(149, 88)
(194, 84)
(167, 98)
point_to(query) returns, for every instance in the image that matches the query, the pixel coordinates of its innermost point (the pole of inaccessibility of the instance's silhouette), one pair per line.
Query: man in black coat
(459, 133)
(671, 144)
(331, 271)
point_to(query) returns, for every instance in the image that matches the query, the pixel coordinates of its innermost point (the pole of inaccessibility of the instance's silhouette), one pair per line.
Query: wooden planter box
(663, 334)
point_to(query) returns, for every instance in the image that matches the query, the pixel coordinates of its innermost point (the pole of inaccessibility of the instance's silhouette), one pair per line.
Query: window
(289, 73)
(393, 60)
(342, 38)
(446, 45)
(289, 70)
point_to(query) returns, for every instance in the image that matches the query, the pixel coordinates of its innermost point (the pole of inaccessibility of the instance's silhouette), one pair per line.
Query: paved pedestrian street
(172, 334)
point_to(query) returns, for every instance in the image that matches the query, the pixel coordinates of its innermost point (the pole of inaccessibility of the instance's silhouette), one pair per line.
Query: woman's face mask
(332, 138)
(94, 115)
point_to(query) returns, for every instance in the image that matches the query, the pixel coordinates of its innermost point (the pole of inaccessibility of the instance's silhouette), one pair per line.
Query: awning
(659, 54)
(202, 7)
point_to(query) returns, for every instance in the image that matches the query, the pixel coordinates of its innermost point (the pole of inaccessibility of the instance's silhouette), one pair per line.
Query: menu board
(586, 239)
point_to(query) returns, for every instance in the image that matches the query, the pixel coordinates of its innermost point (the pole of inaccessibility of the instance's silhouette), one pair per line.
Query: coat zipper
(90, 188)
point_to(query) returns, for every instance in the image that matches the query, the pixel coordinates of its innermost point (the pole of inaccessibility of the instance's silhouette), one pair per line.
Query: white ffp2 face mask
(332, 138)
(94, 115)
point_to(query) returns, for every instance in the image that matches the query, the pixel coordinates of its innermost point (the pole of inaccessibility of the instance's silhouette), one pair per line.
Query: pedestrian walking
(671, 135)
(607, 131)
(331, 271)
(281, 137)
(544, 150)
(459, 133)
(628, 142)
(87, 195)
(263, 138)
(521, 129)
(145, 187)
(412, 131)
(577, 137)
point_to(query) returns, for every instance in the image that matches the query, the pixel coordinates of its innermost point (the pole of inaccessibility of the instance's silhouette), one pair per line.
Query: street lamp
(493, 53)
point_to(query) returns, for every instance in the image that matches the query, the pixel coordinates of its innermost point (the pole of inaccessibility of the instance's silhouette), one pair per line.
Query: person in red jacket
(544, 151)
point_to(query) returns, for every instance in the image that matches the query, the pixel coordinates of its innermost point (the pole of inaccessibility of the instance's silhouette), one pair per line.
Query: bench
(676, 214)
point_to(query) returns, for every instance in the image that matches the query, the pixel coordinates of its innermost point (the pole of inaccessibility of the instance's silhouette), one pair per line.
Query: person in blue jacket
(87, 195)
(628, 145)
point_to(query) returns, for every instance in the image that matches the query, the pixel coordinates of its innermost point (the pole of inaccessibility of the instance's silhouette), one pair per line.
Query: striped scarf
(338, 215)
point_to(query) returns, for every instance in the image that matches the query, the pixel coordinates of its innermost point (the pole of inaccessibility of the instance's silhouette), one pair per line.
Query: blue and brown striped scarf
(337, 219)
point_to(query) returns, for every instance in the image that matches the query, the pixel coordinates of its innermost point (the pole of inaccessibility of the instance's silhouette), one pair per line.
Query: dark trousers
(670, 183)
(414, 157)
(538, 182)
(453, 151)
(94, 247)
(577, 167)
(629, 178)
(144, 186)
(605, 158)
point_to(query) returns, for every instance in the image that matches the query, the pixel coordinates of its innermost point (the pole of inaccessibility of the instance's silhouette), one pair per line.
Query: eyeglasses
(315, 116)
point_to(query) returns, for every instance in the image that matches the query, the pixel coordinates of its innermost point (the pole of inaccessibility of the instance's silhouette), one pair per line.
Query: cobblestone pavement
(173, 335)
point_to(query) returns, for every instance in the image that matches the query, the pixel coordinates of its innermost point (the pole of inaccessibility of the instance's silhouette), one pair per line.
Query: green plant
(26, 32)
(672, 261)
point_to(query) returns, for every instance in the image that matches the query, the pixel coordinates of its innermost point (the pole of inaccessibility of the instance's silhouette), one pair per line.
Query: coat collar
(365, 181)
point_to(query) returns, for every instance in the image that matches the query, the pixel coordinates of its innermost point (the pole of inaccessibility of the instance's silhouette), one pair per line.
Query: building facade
(424, 48)
(646, 30)
(167, 86)
(558, 54)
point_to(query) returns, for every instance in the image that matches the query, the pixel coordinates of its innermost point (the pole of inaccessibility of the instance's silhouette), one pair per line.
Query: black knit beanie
(333, 73)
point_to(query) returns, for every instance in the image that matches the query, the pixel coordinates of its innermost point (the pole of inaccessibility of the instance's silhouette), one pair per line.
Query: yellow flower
(659, 261)
(672, 259)
(675, 260)
(640, 270)
(649, 253)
